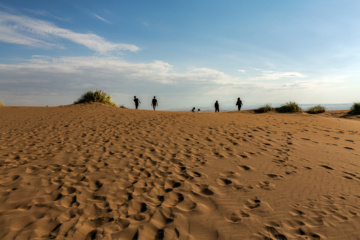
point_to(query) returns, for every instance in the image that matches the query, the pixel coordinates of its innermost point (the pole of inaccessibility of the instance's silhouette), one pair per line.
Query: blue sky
(187, 53)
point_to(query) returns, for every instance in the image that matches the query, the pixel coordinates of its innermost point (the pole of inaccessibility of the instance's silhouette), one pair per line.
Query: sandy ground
(99, 172)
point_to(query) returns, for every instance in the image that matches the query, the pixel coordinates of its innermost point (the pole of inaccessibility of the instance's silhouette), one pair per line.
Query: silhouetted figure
(217, 107)
(198, 110)
(193, 110)
(154, 103)
(137, 102)
(239, 104)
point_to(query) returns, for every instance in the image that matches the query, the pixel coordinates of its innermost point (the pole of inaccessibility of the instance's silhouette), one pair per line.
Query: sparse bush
(1, 104)
(122, 106)
(355, 108)
(289, 107)
(264, 109)
(97, 96)
(316, 109)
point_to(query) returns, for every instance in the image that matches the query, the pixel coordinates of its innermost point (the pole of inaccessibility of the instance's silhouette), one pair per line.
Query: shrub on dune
(1, 104)
(355, 108)
(264, 109)
(289, 107)
(316, 109)
(98, 96)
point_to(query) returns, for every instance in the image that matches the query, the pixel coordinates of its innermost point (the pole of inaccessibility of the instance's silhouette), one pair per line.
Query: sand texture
(100, 172)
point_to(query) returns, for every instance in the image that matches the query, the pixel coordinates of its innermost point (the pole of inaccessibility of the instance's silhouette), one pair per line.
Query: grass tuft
(355, 108)
(289, 107)
(1, 104)
(98, 96)
(316, 109)
(266, 108)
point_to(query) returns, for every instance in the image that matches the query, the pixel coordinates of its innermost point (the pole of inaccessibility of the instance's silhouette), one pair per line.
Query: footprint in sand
(224, 181)
(229, 178)
(266, 185)
(202, 189)
(258, 207)
(273, 232)
(274, 176)
(290, 172)
(229, 174)
(327, 167)
(237, 216)
(350, 175)
(296, 212)
(252, 203)
(246, 168)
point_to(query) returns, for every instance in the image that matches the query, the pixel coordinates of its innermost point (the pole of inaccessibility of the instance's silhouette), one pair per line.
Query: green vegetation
(264, 109)
(289, 107)
(316, 109)
(355, 108)
(98, 96)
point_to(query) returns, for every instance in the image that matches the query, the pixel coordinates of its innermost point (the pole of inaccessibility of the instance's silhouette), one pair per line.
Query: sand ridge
(99, 172)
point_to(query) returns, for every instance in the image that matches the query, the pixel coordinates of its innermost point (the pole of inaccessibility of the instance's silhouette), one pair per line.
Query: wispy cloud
(44, 13)
(19, 29)
(9, 35)
(100, 18)
(271, 75)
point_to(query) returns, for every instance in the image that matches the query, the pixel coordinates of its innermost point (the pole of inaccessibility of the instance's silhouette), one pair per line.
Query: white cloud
(241, 70)
(45, 74)
(38, 33)
(67, 77)
(271, 75)
(210, 76)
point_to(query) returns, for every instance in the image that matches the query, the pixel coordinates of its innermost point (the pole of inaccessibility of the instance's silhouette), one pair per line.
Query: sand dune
(99, 172)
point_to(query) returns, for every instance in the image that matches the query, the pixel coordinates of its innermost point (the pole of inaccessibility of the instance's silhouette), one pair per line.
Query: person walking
(137, 102)
(239, 104)
(154, 103)
(217, 107)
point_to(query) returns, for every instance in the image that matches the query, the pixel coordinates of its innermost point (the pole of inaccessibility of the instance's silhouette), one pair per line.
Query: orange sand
(100, 172)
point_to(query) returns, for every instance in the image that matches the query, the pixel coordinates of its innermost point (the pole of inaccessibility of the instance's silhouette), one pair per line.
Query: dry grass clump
(355, 108)
(316, 109)
(266, 108)
(1, 104)
(289, 107)
(98, 96)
